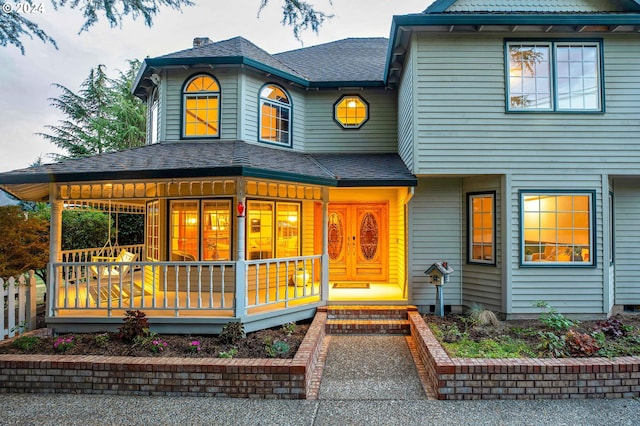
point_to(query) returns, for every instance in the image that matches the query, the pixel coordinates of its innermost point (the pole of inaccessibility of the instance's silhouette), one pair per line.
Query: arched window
(275, 115)
(201, 100)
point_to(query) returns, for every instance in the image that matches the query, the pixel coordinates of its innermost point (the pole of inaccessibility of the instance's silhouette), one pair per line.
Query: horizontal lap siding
(405, 113)
(577, 290)
(482, 284)
(627, 241)
(378, 134)
(172, 115)
(461, 119)
(435, 235)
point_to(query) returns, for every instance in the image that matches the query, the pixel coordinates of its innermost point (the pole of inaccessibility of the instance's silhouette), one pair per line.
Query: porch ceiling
(214, 159)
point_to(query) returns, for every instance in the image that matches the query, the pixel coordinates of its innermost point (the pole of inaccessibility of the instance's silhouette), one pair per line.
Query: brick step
(370, 312)
(368, 326)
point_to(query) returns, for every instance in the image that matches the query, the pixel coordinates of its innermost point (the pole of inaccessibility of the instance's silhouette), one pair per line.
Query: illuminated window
(184, 230)
(153, 230)
(201, 99)
(273, 225)
(215, 232)
(557, 228)
(554, 76)
(351, 112)
(481, 228)
(201, 230)
(275, 115)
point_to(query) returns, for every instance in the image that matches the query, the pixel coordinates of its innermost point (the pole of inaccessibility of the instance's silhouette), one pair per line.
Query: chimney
(201, 41)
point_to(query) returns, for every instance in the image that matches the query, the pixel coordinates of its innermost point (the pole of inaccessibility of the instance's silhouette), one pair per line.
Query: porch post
(325, 244)
(55, 239)
(241, 266)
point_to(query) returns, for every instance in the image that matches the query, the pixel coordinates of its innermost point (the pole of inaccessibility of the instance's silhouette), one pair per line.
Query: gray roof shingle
(351, 59)
(223, 158)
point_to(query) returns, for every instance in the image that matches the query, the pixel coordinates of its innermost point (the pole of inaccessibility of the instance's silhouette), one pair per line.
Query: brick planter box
(463, 378)
(236, 378)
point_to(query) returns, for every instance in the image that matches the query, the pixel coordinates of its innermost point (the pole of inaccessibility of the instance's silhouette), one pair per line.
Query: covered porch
(250, 243)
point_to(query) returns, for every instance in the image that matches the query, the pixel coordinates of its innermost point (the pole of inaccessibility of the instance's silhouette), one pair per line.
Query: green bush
(26, 343)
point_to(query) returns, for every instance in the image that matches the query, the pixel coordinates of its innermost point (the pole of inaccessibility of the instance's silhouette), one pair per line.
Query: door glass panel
(216, 230)
(368, 236)
(336, 236)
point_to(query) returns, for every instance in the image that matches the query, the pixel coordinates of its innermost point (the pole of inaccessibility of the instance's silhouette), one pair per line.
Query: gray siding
(379, 134)
(460, 102)
(627, 241)
(435, 223)
(172, 116)
(570, 289)
(406, 113)
(482, 284)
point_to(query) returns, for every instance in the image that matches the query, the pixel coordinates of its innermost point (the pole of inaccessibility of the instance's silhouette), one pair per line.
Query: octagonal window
(351, 111)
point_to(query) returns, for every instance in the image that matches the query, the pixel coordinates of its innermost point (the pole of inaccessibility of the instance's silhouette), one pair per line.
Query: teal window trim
(470, 228)
(183, 106)
(553, 44)
(283, 106)
(593, 249)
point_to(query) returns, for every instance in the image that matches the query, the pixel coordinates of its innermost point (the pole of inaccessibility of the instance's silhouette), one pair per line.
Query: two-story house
(500, 137)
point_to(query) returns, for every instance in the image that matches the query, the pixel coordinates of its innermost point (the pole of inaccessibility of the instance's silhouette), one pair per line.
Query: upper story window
(275, 115)
(557, 228)
(351, 112)
(201, 100)
(554, 76)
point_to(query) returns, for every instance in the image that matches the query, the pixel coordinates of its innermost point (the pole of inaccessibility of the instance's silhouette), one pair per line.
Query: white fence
(18, 307)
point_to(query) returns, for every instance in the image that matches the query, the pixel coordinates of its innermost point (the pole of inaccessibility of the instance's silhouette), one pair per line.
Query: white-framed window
(201, 107)
(482, 227)
(557, 228)
(275, 115)
(153, 230)
(273, 229)
(554, 76)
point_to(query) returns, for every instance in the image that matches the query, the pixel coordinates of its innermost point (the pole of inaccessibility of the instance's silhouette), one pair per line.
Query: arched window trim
(214, 94)
(284, 106)
(154, 114)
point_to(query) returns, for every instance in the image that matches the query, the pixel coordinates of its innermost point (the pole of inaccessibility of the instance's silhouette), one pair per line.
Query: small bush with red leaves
(580, 344)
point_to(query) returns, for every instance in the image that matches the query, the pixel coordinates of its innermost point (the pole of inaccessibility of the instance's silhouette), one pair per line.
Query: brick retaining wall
(237, 378)
(464, 378)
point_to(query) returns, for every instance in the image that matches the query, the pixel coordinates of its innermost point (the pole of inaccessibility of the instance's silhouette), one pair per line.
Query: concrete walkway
(370, 367)
(368, 380)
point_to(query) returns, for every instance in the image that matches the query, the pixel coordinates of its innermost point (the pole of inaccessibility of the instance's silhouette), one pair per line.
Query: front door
(358, 242)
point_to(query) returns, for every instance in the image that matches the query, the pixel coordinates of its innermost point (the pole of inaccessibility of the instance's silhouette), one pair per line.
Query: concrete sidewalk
(367, 380)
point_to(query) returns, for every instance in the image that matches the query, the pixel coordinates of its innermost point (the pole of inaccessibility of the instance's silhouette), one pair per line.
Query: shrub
(134, 325)
(26, 343)
(63, 344)
(289, 328)
(101, 340)
(552, 344)
(232, 332)
(228, 354)
(553, 319)
(276, 349)
(612, 327)
(580, 344)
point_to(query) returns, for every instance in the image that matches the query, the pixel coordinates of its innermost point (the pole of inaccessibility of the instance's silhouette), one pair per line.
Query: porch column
(241, 265)
(325, 244)
(55, 240)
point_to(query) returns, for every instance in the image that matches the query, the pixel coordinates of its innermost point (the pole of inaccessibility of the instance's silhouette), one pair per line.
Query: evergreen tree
(102, 117)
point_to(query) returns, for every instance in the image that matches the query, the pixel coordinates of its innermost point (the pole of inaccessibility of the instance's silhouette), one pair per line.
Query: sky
(26, 81)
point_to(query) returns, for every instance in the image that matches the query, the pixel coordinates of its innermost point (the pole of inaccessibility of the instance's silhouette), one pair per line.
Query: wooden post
(31, 301)
(55, 241)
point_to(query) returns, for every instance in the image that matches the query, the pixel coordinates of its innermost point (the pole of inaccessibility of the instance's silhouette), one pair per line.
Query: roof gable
(532, 6)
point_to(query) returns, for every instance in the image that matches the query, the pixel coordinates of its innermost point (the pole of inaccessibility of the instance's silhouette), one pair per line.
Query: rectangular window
(273, 226)
(184, 231)
(554, 76)
(556, 228)
(216, 238)
(481, 227)
(153, 230)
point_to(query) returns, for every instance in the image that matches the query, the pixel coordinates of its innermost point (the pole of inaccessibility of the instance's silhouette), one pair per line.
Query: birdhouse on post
(438, 274)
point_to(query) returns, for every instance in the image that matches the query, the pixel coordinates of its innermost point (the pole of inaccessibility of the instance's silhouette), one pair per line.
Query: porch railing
(283, 281)
(172, 288)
